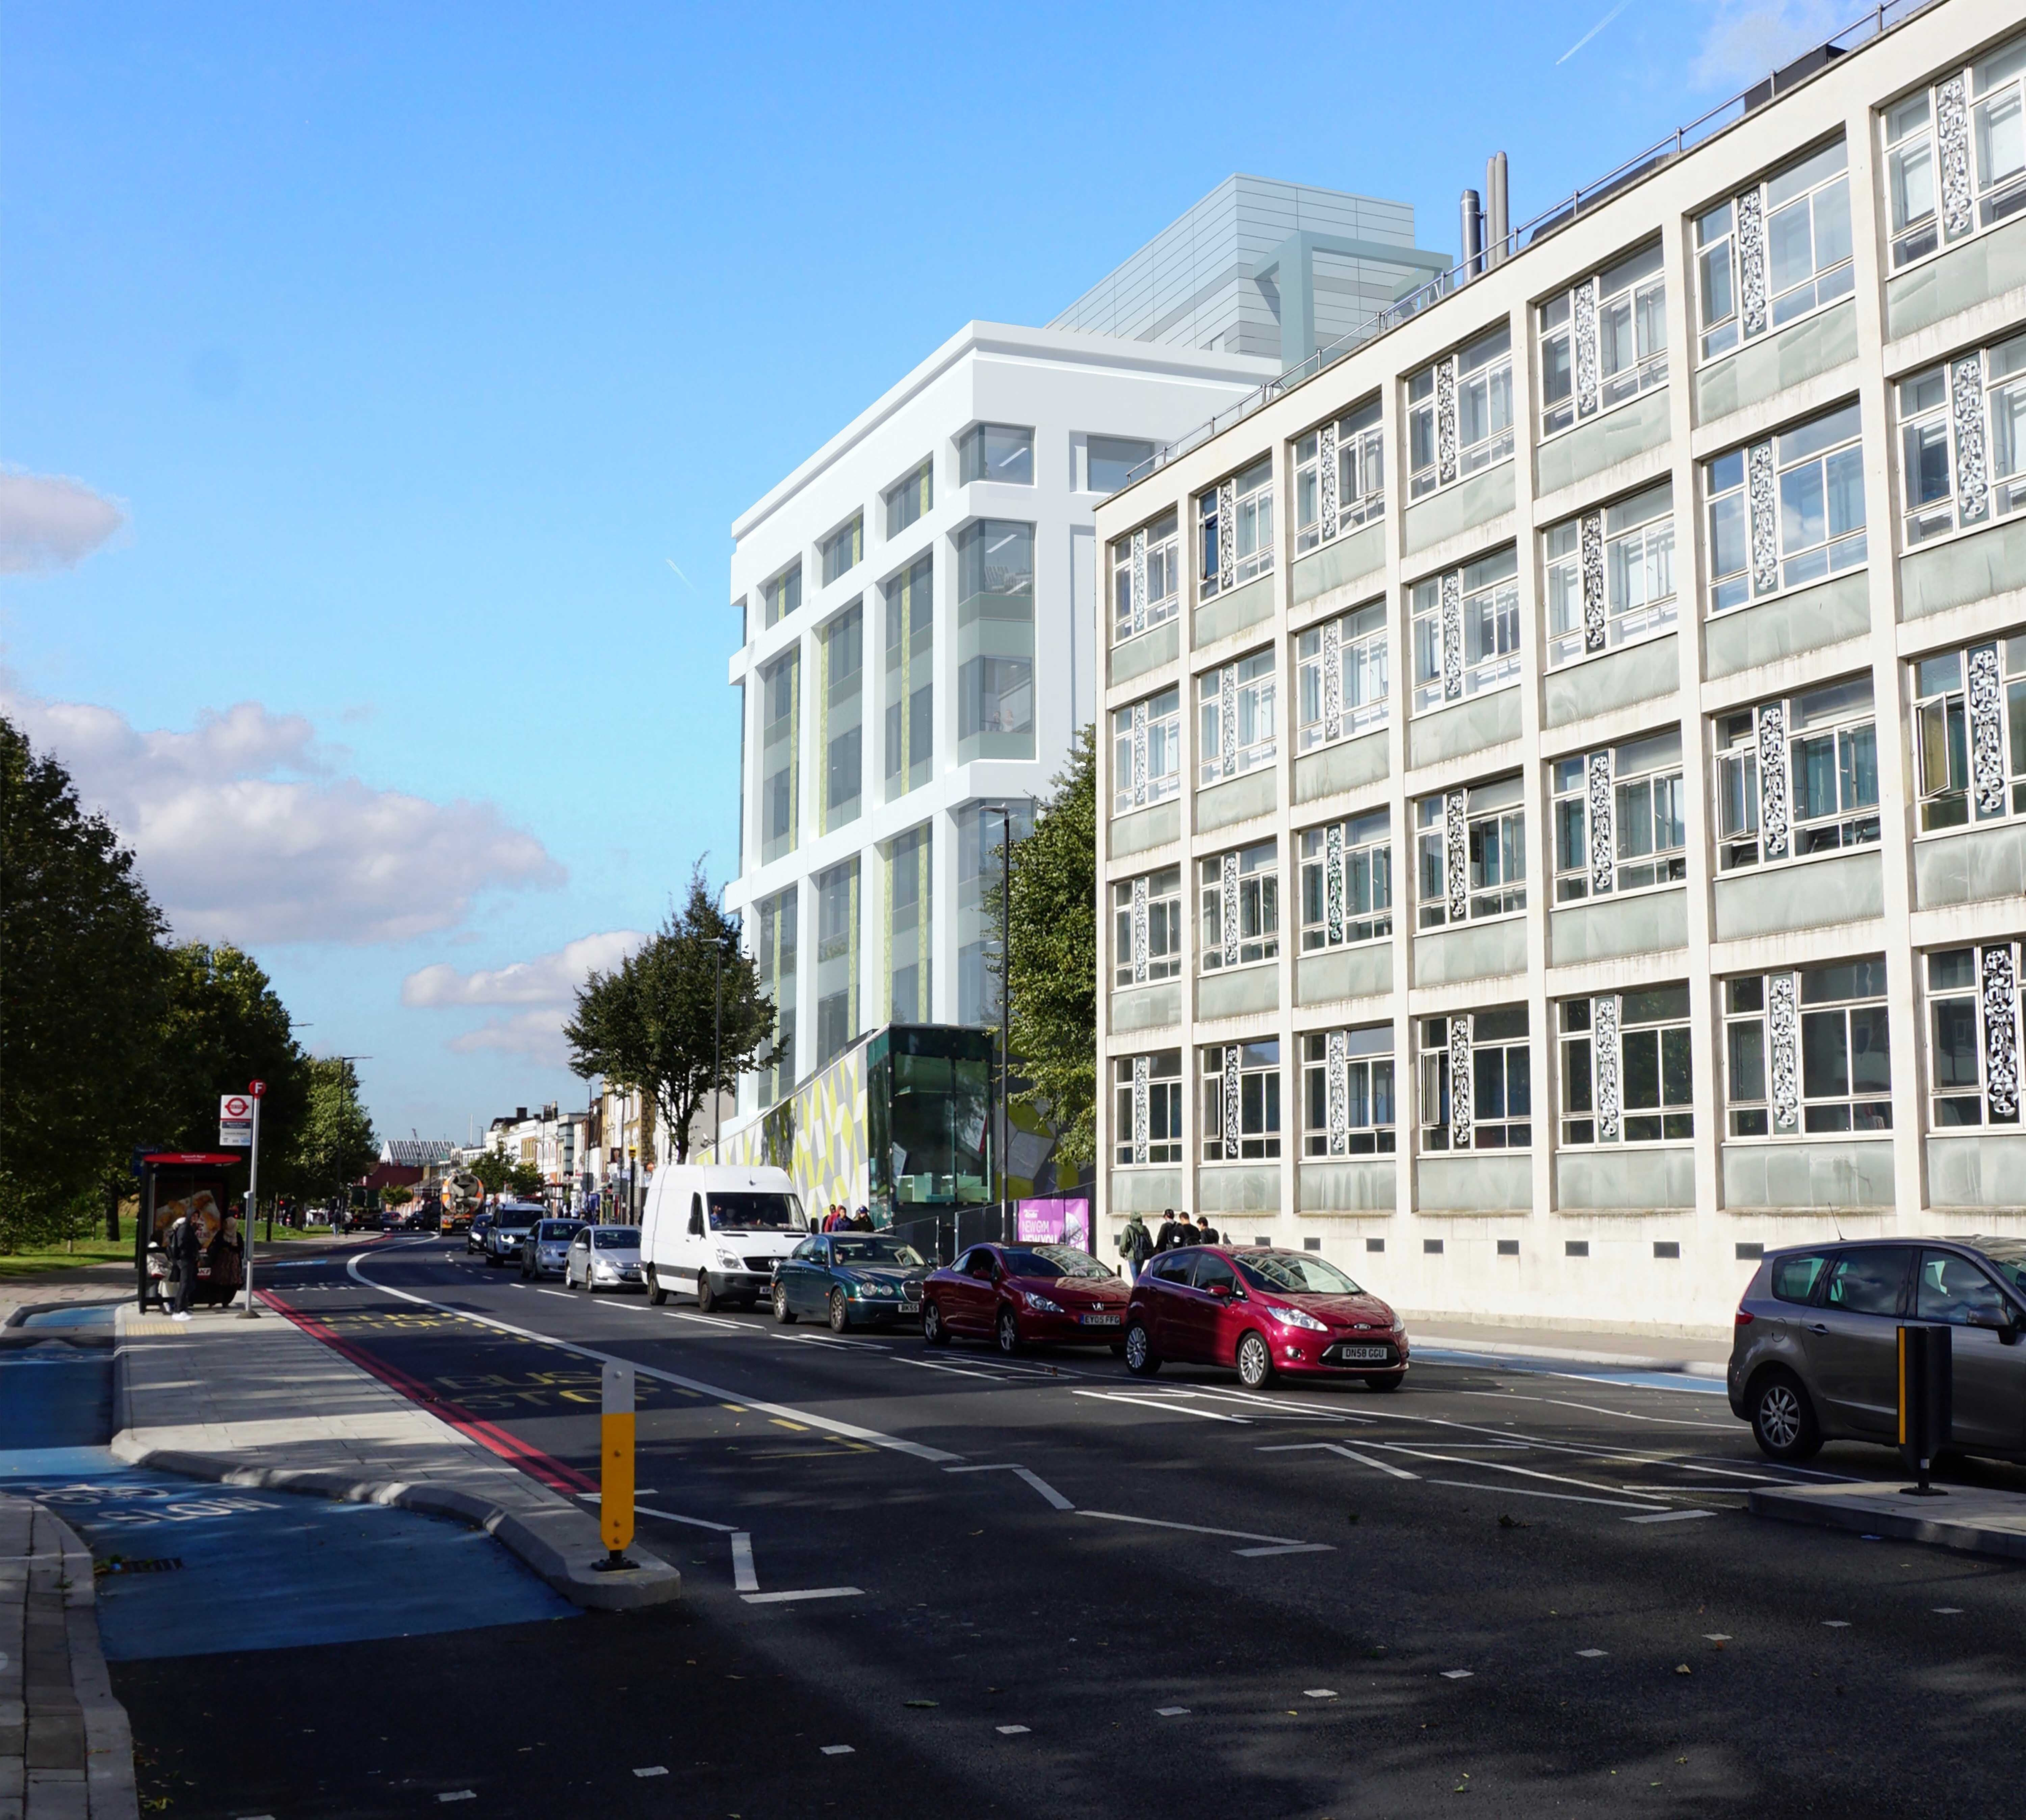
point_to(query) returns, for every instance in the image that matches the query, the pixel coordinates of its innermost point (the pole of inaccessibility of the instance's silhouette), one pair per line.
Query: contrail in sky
(1594, 31)
(691, 585)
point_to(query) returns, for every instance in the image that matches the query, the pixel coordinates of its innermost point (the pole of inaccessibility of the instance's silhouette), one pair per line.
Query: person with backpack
(1175, 1231)
(1135, 1246)
(1206, 1234)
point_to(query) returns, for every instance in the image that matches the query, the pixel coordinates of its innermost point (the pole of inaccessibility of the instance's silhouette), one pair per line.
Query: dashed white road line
(1671, 1517)
(1039, 1484)
(1278, 1542)
(810, 1593)
(1168, 1405)
(836, 1750)
(652, 1769)
(743, 1578)
(1521, 1491)
(1347, 1453)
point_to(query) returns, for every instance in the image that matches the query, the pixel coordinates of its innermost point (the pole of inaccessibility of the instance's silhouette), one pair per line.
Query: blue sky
(370, 371)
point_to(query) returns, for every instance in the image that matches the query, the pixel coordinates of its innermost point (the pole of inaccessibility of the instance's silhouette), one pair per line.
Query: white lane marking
(1521, 1491)
(1274, 1406)
(1671, 1517)
(825, 1339)
(1319, 1693)
(1288, 1548)
(1501, 1466)
(1193, 1528)
(709, 1321)
(1716, 1636)
(935, 1456)
(652, 1769)
(458, 1795)
(1008, 1731)
(1836, 1623)
(1032, 1478)
(743, 1578)
(1947, 1611)
(836, 1750)
(958, 1370)
(1592, 1655)
(566, 1295)
(1348, 1453)
(670, 1516)
(1171, 1712)
(810, 1593)
(1457, 1674)
(1169, 1406)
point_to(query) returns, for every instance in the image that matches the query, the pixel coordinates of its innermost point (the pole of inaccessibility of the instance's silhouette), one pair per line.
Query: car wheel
(1783, 1420)
(1141, 1360)
(1255, 1362)
(1007, 1332)
(782, 1312)
(933, 1332)
(1383, 1383)
(656, 1294)
(706, 1301)
(840, 1312)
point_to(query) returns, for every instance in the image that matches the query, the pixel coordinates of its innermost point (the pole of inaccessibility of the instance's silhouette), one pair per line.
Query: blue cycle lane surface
(185, 1569)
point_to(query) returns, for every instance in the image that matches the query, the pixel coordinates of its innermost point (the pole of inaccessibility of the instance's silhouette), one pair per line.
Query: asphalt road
(1042, 1586)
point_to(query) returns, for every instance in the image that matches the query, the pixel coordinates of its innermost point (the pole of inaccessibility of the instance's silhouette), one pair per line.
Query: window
(910, 875)
(1949, 1288)
(907, 500)
(842, 641)
(1111, 461)
(1871, 1281)
(1611, 575)
(837, 959)
(1147, 1107)
(1466, 631)
(1235, 718)
(996, 452)
(1787, 511)
(1625, 1074)
(1968, 131)
(1235, 529)
(1962, 440)
(781, 596)
(1348, 881)
(1604, 341)
(1147, 751)
(1807, 1051)
(1241, 1100)
(1146, 578)
(1477, 1091)
(1460, 413)
(995, 561)
(1341, 678)
(1620, 818)
(981, 833)
(1240, 900)
(911, 726)
(780, 752)
(1471, 845)
(1797, 777)
(1773, 254)
(1147, 928)
(1339, 477)
(1347, 1092)
(775, 940)
(1970, 724)
(1973, 1011)
(843, 550)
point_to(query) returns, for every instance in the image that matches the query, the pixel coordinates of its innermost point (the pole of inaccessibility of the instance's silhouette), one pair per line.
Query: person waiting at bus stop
(228, 1260)
(184, 1246)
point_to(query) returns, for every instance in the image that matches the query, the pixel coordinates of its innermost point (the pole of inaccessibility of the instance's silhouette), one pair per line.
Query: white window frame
(1438, 408)
(1769, 1046)
(1449, 613)
(1348, 881)
(1627, 1073)
(1235, 529)
(1584, 369)
(1462, 839)
(1943, 131)
(1147, 1109)
(974, 456)
(850, 536)
(1604, 801)
(1759, 814)
(1242, 1109)
(1962, 424)
(915, 492)
(1339, 476)
(1611, 576)
(1149, 939)
(1969, 706)
(1147, 751)
(1755, 499)
(1974, 989)
(1146, 578)
(1348, 1104)
(1236, 712)
(1734, 252)
(1490, 1048)
(1238, 896)
(1343, 677)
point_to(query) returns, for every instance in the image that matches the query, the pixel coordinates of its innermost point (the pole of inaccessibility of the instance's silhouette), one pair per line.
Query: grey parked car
(1814, 1357)
(603, 1256)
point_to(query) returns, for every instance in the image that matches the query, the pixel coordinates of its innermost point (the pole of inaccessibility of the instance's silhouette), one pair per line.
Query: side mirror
(1221, 1291)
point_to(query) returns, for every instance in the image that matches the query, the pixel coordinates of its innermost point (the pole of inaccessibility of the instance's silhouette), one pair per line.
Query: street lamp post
(1004, 812)
(717, 943)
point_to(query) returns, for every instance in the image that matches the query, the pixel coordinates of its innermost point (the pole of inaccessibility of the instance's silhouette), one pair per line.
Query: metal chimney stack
(1499, 226)
(1472, 225)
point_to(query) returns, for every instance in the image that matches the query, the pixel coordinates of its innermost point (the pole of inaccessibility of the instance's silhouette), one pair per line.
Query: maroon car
(1264, 1311)
(1019, 1296)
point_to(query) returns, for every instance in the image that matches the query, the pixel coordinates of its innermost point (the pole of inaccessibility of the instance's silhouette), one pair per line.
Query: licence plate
(911, 1307)
(1098, 1320)
(1362, 1355)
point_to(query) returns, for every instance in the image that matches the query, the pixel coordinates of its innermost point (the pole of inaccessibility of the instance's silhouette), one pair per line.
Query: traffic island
(1968, 1518)
(268, 1404)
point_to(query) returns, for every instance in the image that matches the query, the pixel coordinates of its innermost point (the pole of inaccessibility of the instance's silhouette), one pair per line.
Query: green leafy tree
(649, 1024)
(335, 1145)
(525, 1180)
(82, 988)
(396, 1196)
(1051, 952)
(492, 1170)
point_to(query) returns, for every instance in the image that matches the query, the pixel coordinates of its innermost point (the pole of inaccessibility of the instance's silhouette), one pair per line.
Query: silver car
(604, 1257)
(1814, 1355)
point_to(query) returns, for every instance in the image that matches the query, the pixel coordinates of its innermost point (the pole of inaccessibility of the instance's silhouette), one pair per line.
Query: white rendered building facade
(1567, 833)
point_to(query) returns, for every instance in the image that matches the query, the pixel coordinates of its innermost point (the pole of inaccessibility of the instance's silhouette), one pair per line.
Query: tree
(525, 1180)
(1052, 956)
(650, 1024)
(492, 1170)
(335, 1145)
(82, 984)
(396, 1196)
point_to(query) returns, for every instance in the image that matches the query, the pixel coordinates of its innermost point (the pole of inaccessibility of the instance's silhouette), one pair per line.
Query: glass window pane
(1825, 1055)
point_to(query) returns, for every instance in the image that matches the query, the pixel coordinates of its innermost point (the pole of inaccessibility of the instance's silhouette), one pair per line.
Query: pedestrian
(228, 1255)
(1135, 1246)
(863, 1221)
(185, 1246)
(1206, 1234)
(1174, 1231)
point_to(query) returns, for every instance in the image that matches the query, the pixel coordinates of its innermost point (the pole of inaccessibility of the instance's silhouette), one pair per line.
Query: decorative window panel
(1146, 578)
(1620, 818)
(1239, 917)
(1973, 1030)
(1234, 530)
(1147, 928)
(1626, 1075)
(1962, 441)
(1476, 1081)
(1348, 881)
(1241, 1102)
(1604, 341)
(1147, 751)
(1339, 477)
(1611, 576)
(1786, 511)
(1347, 1092)
(1147, 1108)
(1460, 413)
(1235, 710)
(1969, 732)
(1955, 155)
(1343, 677)
(1807, 1051)
(1798, 776)
(1466, 631)
(1469, 847)
(1770, 255)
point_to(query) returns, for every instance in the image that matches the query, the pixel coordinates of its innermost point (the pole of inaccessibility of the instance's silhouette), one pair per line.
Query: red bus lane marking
(537, 1465)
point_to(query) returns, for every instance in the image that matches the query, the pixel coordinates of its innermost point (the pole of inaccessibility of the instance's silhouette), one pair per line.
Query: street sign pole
(248, 1313)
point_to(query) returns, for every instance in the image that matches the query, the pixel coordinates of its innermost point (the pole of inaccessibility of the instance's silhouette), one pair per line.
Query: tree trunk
(112, 1212)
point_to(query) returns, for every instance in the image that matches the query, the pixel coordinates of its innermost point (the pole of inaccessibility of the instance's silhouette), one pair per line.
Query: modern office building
(917, 608)
(1562, 793)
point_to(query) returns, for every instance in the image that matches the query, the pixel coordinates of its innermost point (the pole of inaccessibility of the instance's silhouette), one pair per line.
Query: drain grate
(113, 1564)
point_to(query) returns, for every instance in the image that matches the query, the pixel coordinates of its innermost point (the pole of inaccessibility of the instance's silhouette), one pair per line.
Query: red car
(1019, 1296)
(1265, 1312)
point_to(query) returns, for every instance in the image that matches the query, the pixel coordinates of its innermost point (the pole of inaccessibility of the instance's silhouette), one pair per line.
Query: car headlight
(1298, 1318)
(879, 1289)
(1040, 1304)
(728, 1261)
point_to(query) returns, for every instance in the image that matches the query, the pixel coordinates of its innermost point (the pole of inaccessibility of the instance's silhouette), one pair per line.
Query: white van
(717, 1230)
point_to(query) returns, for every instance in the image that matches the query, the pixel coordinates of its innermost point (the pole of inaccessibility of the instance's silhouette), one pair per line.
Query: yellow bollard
(615, 1481)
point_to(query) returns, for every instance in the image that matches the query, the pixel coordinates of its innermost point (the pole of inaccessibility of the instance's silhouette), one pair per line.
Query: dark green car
(850, 1279)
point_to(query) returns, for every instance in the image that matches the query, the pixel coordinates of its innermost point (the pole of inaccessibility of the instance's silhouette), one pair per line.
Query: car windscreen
(1041, 1261)
(1069, 1262)
(1291, 1273)
(513, 1219)
(750, 1211)
(874, 1251)
(559, 1229)
(617, 1238)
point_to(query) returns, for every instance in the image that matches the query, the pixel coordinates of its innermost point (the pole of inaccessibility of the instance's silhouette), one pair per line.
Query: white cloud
(1748, 39)
(49, 522)
(544, 988)
(246, 832)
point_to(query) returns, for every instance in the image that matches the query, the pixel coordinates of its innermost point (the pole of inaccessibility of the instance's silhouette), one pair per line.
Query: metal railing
(1558, 214)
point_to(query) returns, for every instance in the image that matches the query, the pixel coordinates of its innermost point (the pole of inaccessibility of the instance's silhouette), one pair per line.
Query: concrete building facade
(1566, 832)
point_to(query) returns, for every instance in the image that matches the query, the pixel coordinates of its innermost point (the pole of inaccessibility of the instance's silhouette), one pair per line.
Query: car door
(1167, 1280)
(1212, 1310)
(1988, 1372)
(982, 1272)
(578, 1264)
(1852, 1338)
